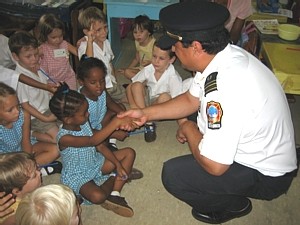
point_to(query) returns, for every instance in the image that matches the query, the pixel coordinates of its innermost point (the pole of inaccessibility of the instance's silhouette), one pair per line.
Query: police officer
(242, 145)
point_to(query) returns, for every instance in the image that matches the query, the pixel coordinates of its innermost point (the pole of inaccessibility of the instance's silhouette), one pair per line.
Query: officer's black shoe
(222, 217)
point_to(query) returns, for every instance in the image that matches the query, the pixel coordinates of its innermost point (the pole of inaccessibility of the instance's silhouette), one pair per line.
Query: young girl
(144, 41)
(88, 165)
(53, 204)
(91, 74)
(15, 131)
(54, 51)
(156, 83)
(19, 175)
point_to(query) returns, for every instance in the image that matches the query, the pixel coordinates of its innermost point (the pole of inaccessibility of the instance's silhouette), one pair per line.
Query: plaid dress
(58, 68)
(81, 164)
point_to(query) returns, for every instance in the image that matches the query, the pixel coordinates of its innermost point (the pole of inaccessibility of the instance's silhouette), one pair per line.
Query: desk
(284, 61)
(130, 9)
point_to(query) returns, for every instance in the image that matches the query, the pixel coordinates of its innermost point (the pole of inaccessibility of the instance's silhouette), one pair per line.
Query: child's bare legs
(130, 72)
(45, 152)
(49, 136)
(102, 194)
(162, 98)
(136, 95)
(97, 194)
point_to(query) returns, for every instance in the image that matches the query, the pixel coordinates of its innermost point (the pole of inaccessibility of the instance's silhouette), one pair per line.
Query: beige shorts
(42, 127)
(117, 92)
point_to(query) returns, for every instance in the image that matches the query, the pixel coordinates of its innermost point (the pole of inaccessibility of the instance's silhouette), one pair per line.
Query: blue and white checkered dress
(81, 164)
(11, 139)
(97, 110)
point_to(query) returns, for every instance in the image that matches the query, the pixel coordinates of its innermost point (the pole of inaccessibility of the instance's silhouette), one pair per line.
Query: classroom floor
(153, 205)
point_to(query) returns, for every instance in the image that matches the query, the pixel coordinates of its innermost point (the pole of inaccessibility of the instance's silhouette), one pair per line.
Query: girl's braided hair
(65, 102)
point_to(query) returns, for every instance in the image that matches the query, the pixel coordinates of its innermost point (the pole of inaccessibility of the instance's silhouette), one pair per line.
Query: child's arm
(34, 112)
(112, 105)
(98, 136)
(89, 47)
(72, 49)
(135, 61)
(31, 82)
(26, 144)
(11, 220)
(112, 158)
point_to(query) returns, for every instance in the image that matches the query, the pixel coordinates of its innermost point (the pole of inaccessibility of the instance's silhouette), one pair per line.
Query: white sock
(113, 140)
(115, 193)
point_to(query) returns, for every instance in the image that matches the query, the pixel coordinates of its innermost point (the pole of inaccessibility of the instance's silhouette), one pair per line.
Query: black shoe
(221, 217)
(150, 132)
(112, 147)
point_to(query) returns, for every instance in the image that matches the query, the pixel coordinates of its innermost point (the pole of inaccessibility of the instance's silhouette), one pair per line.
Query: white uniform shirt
(170, 82)
(36, 97)
(6, 58)
(9, 77)
(106, 55)
(244, 116)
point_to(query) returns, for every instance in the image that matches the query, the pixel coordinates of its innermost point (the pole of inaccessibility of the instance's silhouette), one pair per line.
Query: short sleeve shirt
(170, 82)
(243, 114)
(37, 98)
(106, 55)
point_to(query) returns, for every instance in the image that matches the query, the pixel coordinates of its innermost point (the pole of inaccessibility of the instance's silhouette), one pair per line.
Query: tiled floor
(154, 206)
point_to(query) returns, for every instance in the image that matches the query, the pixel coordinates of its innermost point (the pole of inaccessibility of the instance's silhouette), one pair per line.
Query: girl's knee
(96, 198)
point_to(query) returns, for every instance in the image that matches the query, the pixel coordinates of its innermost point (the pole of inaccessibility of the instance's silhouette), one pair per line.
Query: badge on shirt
(60, 53)
(214, 114)
(210, 83)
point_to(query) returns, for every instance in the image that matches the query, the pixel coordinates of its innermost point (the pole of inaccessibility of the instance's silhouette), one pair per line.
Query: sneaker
(118, 205)
(51, 168)
(150, 132)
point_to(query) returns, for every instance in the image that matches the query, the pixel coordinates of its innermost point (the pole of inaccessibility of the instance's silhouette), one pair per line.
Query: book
(267, 26)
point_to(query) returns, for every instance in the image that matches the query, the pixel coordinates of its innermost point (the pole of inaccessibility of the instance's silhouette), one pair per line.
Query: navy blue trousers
(185, 179)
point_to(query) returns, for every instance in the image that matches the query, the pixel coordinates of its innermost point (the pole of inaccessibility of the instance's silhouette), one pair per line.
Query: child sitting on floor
(24, 48)
(156, 83)
(55, 51)
(15, 132)
(89, 167)
(144, 41)
(19, 175)
(94, 24)
(53, 204)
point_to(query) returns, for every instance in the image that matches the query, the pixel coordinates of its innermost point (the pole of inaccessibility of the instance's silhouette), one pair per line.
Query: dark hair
(143, 22)
(65, 102)
(21, 39)
(169, 50)
(47, 23)
(216, 44)
(5, 91)
(88, 63)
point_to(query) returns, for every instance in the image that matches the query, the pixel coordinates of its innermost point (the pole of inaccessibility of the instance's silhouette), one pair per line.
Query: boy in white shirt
(94, 24)
(24, 48)
(155, 83)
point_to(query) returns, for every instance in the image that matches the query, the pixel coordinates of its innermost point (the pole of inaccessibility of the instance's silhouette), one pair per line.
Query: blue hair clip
(64, 88)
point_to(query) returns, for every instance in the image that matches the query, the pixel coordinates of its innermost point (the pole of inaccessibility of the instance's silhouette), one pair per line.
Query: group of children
(77, 121)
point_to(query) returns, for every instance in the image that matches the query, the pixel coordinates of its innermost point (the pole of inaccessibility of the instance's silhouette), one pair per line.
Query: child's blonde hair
(15, 170)
(88, 16)
(52, 204)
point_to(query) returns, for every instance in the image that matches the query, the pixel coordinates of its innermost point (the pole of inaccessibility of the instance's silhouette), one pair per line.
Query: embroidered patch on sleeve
(211, 83)
(214, 114)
